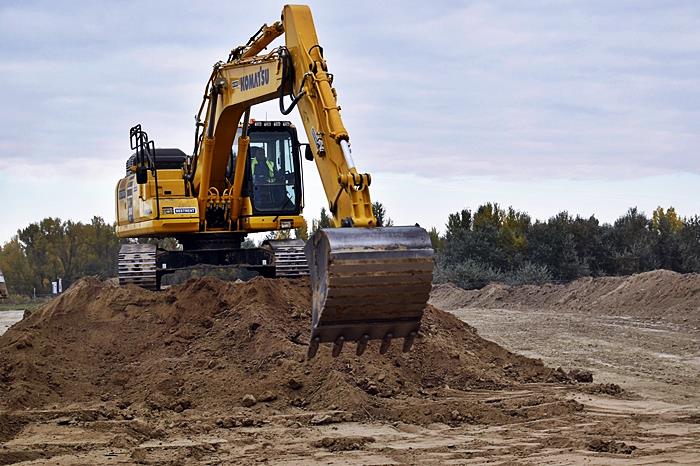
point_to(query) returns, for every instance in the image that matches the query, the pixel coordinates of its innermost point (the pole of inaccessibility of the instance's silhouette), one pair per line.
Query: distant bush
(529, 274)
(469, 274)
(18, 299)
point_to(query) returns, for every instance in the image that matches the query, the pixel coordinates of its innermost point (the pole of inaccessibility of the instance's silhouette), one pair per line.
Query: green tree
(591, 251)
(325, 221)
(668, 227)
(488, 217)
(380, 214)
(99, 248)
(458, 223)
(19, 276)
(668, 220)
(50, 249)
(689, 247)
(475, 238)
(512, 236)
(435, 239)
(552, 244)
(634, 243)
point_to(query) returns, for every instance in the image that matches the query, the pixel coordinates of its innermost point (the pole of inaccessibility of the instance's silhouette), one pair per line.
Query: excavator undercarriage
(145, 265)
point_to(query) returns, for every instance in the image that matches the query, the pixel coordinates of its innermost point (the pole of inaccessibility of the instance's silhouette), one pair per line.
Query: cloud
(576, 90)
(512, 90)
(558, 89)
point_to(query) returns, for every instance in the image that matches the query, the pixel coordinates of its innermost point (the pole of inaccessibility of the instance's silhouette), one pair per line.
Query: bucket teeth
(369, 283)
(313, 347)
(338, 346)
(362, 344)
(386, 342)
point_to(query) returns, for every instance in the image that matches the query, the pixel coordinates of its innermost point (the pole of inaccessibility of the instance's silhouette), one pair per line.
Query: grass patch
(28, 306)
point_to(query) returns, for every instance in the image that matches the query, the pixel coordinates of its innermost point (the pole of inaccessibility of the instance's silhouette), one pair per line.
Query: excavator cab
(274, 170)
(273, 178)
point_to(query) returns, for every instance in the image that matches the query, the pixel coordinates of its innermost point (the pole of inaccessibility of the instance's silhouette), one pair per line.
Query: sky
(587, 106)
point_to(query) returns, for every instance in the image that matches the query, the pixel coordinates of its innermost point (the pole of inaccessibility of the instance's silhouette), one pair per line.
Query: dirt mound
(660, 294)
(218, 345)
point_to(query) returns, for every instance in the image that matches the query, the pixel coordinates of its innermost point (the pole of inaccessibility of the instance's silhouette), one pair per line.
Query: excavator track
(138, 265)
(289, 258)
(368, 284)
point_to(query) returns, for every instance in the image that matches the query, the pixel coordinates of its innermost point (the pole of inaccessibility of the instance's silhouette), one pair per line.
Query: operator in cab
(268, 193)
(263, 170)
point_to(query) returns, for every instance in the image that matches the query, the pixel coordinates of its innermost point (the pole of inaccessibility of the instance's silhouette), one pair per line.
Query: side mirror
(308, 155)
(141, 174)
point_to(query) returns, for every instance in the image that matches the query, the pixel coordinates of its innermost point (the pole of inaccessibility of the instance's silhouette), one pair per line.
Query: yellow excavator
(244, 176)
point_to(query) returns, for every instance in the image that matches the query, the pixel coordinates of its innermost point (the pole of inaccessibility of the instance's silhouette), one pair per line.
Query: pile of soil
(214, 345)
(660, 294)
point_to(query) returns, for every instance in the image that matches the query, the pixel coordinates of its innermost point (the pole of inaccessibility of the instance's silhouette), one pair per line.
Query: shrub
(529, 274)
(468, 274)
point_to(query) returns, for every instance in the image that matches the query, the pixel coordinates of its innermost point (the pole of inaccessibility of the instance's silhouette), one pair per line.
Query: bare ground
(649, 414)
(7, 318)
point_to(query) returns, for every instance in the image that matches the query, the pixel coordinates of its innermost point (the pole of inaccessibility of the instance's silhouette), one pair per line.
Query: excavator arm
(368, 282)
(347, 190)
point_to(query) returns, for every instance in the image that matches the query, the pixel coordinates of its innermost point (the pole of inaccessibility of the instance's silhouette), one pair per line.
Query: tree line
(505, 245)
(50, 249)
(489, 244)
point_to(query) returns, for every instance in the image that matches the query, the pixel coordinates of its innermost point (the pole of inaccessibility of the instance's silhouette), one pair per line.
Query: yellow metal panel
(246, 207)
(251, 224)
(137, 207)
(164, 227)
(170, 183)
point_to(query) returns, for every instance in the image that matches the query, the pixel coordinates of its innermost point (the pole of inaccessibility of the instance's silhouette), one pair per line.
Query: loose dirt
(210, 372)
(659, 295)
(213, 344)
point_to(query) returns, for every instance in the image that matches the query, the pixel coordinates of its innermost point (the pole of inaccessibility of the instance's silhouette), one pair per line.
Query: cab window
(273, 170)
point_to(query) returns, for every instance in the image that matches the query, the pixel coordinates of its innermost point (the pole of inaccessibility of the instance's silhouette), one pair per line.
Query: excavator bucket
(368, 284)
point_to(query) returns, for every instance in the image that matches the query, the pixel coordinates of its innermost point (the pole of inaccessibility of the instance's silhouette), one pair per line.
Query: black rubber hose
(288, 82)
(212, 114)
